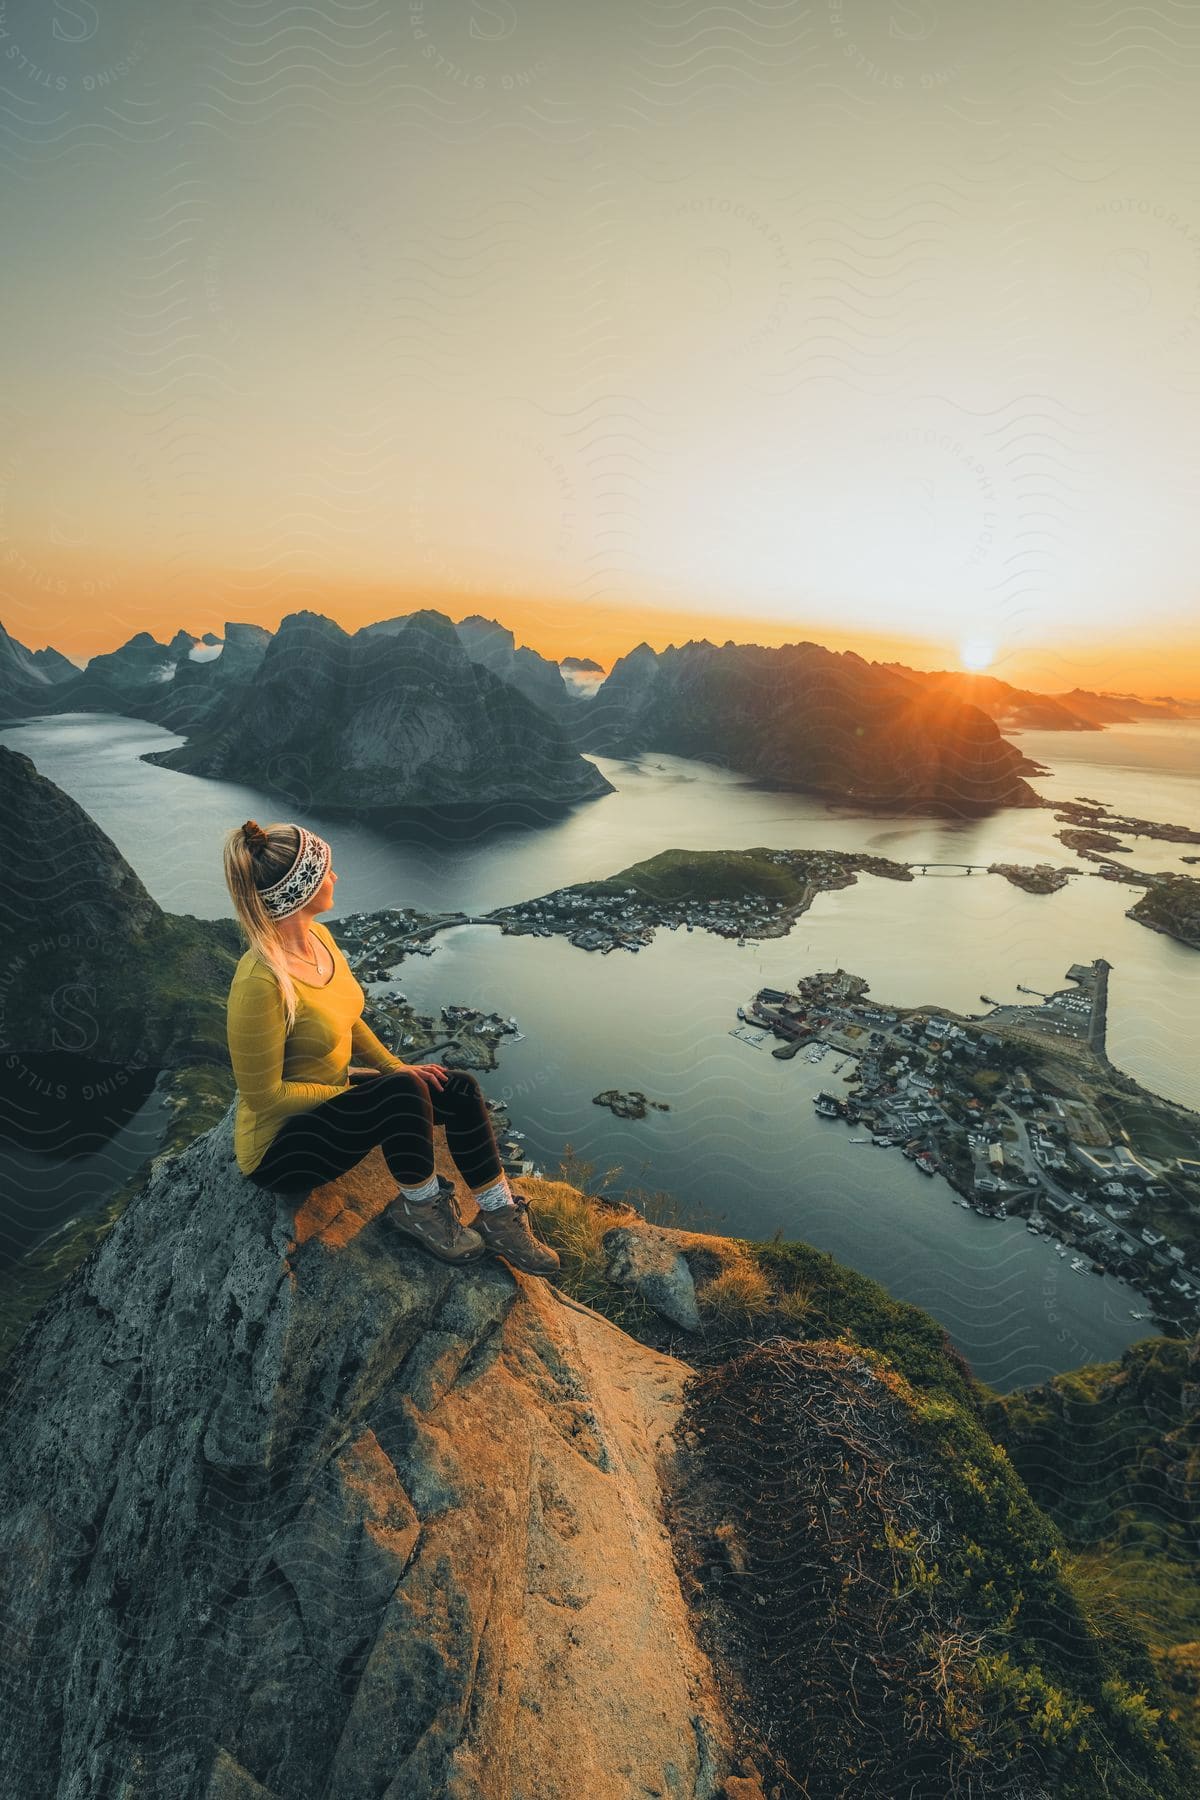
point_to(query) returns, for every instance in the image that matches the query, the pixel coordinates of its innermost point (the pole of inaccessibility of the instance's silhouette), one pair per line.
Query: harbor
(1008, 1116)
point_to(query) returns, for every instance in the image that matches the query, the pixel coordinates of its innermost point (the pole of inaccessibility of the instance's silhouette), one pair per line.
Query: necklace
(313, 961)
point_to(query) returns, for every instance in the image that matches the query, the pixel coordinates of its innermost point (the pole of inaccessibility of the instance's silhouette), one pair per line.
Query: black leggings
(395, 1111)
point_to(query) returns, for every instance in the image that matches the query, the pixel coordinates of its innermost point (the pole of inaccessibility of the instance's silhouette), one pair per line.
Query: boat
(925, 1166)
(964, 1203)
(1137, 1315)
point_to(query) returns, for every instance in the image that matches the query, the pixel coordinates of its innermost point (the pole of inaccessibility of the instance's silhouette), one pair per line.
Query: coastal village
(1013, 1128)
(624, 912)
(1018, 1109)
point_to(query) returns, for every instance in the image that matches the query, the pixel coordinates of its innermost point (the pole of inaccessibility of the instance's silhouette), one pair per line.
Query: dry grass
(573, 1212)
(572, 1221)
(740, 1291)
(793, 1308)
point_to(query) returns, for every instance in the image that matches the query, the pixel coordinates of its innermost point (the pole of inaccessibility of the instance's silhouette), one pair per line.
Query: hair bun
(256, 838)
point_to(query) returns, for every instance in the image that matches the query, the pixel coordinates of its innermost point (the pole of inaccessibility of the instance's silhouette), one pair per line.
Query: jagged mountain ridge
(30, 679)
(143, 679)
(800, 716)
(395, 718)
(493, 645)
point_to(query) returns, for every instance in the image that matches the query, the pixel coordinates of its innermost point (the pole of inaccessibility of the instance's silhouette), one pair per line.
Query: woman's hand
(433, 1073)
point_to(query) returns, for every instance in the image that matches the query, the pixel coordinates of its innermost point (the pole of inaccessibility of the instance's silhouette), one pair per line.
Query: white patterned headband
(302, 880)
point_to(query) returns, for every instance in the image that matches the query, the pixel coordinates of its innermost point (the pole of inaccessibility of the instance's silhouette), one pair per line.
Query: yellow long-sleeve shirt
(278, 1072)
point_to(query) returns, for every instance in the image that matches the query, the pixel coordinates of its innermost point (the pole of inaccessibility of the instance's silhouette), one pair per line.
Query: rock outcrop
(653, 1265)
(799, 716)
(385, 720)
(291, 1509)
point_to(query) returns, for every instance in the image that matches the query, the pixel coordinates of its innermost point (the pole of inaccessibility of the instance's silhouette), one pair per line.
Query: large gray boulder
(289, 1508)
(648, 1261)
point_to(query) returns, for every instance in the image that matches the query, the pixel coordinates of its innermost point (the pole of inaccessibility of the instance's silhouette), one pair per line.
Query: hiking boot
(437, 1225)
(506, 1232)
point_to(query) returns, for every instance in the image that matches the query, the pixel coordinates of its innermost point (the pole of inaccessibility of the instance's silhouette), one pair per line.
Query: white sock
(420, 1196)
(494, 1196)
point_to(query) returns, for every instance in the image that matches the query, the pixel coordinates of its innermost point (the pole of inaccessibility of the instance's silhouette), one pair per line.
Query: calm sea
(741, 1150)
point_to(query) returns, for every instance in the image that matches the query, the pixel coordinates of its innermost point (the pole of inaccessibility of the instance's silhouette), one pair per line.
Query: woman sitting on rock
(305, 1113)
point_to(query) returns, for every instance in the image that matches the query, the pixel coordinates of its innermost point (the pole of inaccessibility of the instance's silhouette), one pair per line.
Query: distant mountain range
(1020, 709)
(418, 711)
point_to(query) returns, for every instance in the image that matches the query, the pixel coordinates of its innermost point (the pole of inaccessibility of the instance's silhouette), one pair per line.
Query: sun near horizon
(976, 655)
(203, 600)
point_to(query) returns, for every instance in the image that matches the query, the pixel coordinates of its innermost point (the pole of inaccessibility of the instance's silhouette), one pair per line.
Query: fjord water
(741, 1149)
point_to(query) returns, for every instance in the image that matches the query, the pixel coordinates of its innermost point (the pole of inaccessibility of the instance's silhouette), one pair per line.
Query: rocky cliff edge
(294, 1509)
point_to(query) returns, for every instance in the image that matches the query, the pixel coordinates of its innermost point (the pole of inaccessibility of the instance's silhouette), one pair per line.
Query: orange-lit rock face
(301, 1509)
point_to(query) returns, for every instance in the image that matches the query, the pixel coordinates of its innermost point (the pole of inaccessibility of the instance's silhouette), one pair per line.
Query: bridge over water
(967, 868)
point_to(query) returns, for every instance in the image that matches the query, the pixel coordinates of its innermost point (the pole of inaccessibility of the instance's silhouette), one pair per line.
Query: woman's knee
(398, 1081)
(462, 1086)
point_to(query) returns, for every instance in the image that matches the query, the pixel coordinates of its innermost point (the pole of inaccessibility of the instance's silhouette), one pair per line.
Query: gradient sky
(865, 321)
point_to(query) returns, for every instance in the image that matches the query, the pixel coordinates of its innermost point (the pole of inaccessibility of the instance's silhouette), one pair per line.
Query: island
(1080, 839)
(1040, 878)
(739, 894)
(1094, 814)
(1171, 905)
(632, 1105)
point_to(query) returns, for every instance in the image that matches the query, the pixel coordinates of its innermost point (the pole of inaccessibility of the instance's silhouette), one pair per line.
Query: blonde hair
(247, 869)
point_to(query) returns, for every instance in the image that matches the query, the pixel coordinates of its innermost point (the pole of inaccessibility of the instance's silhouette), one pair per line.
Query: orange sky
(48, 606)
(877, 325)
